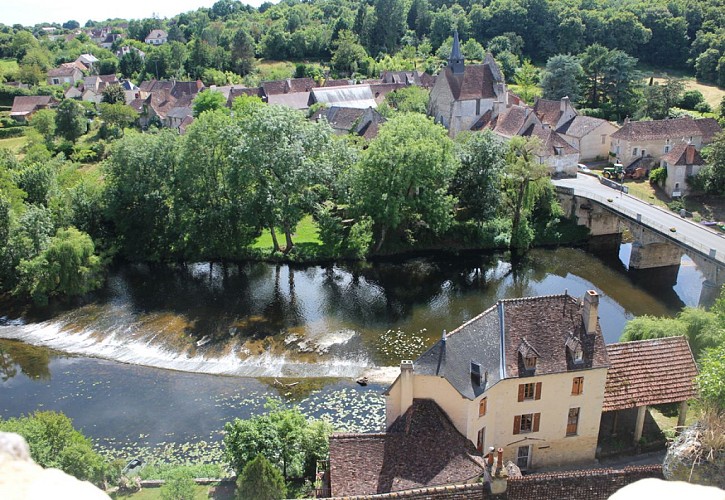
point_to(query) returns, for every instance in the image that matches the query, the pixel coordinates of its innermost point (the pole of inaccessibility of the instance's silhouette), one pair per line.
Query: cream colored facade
(549, 446)
(595, 144)
(628, 151)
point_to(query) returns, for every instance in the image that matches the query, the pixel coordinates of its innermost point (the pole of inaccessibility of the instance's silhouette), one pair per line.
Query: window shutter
(517, 424)
(521, 392)
(575, 385)
(538, 390)
(537, 417)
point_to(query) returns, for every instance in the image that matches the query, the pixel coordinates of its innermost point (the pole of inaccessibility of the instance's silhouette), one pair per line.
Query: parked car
(583, 168)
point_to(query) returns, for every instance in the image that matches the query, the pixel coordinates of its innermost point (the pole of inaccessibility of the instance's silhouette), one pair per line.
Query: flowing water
(264, 325)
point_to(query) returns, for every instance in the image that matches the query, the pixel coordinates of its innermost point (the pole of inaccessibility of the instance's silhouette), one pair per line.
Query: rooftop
(649, 372)
(421, 448)
(676, 128)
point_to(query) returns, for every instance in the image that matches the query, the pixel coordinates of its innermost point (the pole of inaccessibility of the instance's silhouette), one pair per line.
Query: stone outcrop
(689, 460)
(21, 478)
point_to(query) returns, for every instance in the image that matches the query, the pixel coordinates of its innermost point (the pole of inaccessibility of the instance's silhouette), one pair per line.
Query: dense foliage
(55, 443)
(260, 480)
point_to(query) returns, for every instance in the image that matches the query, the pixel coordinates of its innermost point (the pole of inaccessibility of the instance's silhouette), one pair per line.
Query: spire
(455, 62)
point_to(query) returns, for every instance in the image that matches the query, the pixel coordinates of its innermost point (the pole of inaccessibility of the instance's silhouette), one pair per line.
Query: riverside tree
(260, 480)
(402, 180)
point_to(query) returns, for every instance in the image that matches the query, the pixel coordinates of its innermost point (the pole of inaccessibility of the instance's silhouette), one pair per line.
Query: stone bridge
(660, 237)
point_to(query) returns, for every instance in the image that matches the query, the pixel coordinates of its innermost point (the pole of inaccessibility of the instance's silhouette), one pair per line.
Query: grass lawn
(713, 94)
(646, 192)
(14, 144)
(9, 67)
(201, 493)
(306, 232)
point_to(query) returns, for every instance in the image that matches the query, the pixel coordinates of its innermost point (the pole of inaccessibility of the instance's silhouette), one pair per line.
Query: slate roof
(492, 339)
(340, 118)
(275, 87)
(476, 82)
(24, 105)
(678, 155)
(421, 448)
(155, 34)
(337, 83)
(648, 372)
(509, 123)
(579, 126)
(67, 69)
(301, 84)
(658, 129)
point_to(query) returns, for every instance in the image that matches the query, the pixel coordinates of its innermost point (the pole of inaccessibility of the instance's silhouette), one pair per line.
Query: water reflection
(32, 361)
(268, 320)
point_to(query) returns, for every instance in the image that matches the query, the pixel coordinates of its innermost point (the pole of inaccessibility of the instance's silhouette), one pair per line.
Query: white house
(157, 37)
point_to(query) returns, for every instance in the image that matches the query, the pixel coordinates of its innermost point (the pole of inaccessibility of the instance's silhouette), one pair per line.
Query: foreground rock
(21, 478)
(697, 456)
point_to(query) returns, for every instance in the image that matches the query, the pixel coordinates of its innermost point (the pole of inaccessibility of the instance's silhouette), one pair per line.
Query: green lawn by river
(306, 232)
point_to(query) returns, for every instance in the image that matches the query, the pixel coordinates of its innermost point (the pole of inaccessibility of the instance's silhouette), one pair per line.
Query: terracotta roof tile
(421, 448)
(509, 123)
(550, 141)
(476, 82)
(658, 129)
(548, 111)
(678, 155)
(23, 105)
(579, 126)
(709, 128)
(649, 372)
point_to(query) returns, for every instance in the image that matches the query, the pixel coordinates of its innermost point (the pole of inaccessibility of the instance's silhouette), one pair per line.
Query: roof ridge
(459, 328)
(538, 297)
(631, 342)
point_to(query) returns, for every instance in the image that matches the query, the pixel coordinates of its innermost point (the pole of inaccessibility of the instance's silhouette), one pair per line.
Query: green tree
(523, 180)
(622, 83)
(283, 436)
(292, 160)
(114, 94)
(594, 63)
(209, 100)
(477, 181)
(403, 177)
(411, 99)
(712, 176)
(180, 486)
(131, 64)
(215, 192)
(139, 194)
(706, 65)
(561, 78)
(118, 115)
(260, 480)
(711, 380)
(70, 120)
(527, 78)
(390, 19)
(348, 53)
(55, 443)
(659, 99)
(44, 122)
(67, 267)
(242, 52)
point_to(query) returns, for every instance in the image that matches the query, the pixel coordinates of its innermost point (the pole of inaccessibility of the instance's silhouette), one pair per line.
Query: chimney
(490, 456)
(690, 154)
(497, 476)
(564, 104)
(590, 311)
(406, 385)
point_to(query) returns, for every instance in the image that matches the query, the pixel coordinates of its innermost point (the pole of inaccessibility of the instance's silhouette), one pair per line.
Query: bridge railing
(646, 221)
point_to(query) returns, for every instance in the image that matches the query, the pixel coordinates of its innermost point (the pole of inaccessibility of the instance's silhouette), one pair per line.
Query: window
(604, 138)
(572, 422)
(522, 457)
(644, 152)
(530, 362)
(577, 386)
(667, 148)
(528, 422)
(56, 81)
(635, 151)
(481, 440)
(482, 407)
(529, 391)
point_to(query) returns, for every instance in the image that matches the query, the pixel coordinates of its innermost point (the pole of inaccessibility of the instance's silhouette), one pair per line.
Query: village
(525, 399)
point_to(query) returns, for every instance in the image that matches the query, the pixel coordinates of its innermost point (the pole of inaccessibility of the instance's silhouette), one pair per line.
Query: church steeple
(455, 62)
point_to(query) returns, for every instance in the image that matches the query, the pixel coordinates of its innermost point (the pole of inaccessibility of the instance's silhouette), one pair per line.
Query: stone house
(65, 73)
(528, 371)
(25, 106)
(588, 135)
(462, 94)
(530, 378)
(682, 162)
(157, 37)
(648, 141)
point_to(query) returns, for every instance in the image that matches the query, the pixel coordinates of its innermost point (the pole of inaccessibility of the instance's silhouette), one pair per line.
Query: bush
(6, 133)
(180, 486)
(703, 107)
(260, 480)
(711, 380)
(690, 99)
(658, 176)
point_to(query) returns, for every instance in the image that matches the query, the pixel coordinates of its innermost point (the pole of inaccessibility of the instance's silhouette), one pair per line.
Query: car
(583, 168)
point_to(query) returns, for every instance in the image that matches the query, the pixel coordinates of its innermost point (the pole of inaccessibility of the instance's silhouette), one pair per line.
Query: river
(163, 357)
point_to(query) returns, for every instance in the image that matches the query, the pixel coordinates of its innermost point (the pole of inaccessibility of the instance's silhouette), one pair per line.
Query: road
(687, 232)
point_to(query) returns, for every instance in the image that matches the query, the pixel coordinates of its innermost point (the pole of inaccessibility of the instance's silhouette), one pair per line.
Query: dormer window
(574, 348)
(529, 356)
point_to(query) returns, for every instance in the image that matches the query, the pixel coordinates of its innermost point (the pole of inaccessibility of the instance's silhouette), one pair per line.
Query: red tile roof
(678, 155)
(647, 372)
(676, 128)
(421, 448)
(548, 111)
(709, 128)
(23, 105)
